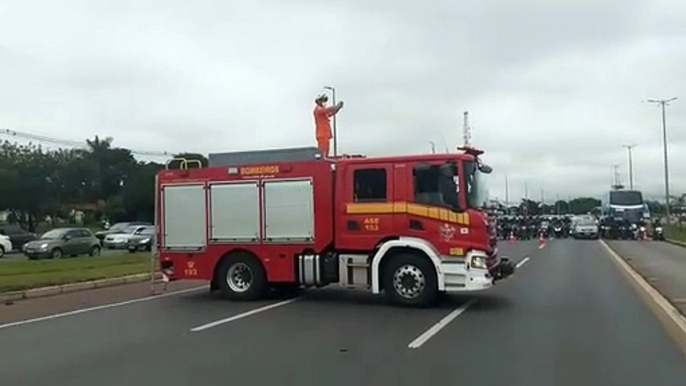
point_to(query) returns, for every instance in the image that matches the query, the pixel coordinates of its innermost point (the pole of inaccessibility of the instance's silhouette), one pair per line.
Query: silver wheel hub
(409, 281)
(239, 277)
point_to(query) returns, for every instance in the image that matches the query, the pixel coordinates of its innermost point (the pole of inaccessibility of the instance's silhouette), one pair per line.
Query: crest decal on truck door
(447, 232)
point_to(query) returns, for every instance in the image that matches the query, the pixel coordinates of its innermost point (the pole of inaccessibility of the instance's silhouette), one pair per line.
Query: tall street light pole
(663, 103)
(507, 194)
(335, 134)
(631, 164)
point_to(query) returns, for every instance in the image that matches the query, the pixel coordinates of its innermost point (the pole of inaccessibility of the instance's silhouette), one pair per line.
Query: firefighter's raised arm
(334, 109)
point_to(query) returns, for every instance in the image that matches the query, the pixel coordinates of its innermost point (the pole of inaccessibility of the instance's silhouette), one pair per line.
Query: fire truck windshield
(476, 186)
(436, 185)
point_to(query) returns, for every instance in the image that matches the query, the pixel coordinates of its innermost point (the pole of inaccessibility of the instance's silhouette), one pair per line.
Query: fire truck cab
(411, 227)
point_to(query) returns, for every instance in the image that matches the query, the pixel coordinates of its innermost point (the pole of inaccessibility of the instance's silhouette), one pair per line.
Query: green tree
(139, 192)
(108, 168)
(27, 186)
(656, 208)
(561, 206)
(583, 205)
(529, 207)
(175, 163)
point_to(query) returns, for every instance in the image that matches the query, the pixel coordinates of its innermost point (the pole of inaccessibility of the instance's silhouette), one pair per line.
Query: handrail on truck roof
(184, 162)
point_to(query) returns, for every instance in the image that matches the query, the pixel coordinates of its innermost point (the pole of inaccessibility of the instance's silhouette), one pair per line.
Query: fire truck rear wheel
(241, 276)
(410, 280)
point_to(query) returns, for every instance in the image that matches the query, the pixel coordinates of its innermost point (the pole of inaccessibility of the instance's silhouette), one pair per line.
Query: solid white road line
(241, 316)
(421, 339)
(522, 262)
(103, 307)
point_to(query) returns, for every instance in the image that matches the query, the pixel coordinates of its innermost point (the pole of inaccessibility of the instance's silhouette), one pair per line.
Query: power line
(72, 143)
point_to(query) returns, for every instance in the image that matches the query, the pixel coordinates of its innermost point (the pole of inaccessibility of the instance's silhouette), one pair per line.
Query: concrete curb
(677, 243)
(74, 287)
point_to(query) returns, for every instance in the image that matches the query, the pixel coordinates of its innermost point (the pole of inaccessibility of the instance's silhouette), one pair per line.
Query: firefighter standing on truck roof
(322, 115)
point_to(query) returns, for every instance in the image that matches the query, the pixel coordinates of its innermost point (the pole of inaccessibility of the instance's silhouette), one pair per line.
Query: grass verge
(17, 275)
(675, 232)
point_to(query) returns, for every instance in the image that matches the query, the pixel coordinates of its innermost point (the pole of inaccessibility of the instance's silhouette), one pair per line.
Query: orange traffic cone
(541, 241)
(512, 238)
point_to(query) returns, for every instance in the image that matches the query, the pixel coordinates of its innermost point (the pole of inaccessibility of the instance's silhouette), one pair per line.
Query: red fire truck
(409, 226)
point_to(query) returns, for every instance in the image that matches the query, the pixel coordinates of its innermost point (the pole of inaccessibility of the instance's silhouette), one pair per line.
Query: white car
(120, 240)
(585, 227)
(5, 245)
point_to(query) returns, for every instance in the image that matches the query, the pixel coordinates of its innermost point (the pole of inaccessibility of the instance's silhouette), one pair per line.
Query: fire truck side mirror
(485, 169)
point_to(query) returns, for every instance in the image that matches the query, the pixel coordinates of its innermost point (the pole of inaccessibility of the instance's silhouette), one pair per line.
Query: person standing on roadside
(322, 121)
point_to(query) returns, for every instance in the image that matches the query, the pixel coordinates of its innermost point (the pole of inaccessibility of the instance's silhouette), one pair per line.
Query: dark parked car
(17, 236)
(63, 241)
(141, 241)
(119, 227)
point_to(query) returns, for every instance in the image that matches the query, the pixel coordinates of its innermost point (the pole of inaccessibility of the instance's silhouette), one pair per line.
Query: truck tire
(410, 280)
(241, 276)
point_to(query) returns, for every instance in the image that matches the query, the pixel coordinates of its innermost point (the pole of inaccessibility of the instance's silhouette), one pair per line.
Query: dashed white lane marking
(522, 262)
(428, 334)
(241, 316)
(103, 307)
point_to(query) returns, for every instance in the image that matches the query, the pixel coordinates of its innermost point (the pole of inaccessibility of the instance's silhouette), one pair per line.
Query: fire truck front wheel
(241, 276)
(410, 280)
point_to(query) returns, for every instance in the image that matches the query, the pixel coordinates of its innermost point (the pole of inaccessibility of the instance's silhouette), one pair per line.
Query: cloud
(553, 89)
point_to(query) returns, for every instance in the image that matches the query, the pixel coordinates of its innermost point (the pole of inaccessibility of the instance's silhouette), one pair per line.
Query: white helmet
(321, 97)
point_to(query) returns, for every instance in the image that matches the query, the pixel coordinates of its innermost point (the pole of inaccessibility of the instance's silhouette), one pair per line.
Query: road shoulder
(669, 315)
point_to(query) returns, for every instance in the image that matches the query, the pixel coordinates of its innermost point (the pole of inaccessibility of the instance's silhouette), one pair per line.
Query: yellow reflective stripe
(371, 208)
(409, 208)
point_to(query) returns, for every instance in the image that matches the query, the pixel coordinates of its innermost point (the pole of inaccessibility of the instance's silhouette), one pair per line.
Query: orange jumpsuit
(322, 123)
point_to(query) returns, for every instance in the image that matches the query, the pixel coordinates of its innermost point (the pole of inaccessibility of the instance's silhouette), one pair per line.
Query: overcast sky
(553, 88)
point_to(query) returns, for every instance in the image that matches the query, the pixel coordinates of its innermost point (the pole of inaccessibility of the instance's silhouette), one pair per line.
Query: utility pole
(526, 199)
(507, 193)
(663, 103)
(335, 131)
(631, 164)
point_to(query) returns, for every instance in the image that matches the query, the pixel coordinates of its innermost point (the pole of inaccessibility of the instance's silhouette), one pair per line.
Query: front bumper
(37, 254)
(138, 246)
(458, 278)
(114, 244)
(586, 235)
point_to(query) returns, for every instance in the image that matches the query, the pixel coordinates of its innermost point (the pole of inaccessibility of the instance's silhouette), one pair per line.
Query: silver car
(63, 242)
(585, 227)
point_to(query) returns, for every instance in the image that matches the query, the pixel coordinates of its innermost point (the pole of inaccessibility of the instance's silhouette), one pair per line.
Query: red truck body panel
(340, 223)
(278, 259)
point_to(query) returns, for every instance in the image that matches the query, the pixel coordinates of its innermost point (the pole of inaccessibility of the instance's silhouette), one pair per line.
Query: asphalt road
(568, 317)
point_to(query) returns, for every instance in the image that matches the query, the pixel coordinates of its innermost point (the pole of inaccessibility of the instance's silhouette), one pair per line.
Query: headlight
(44, 246)
(658, 229)
(643, 229)
(144, 241)
(478, 262)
